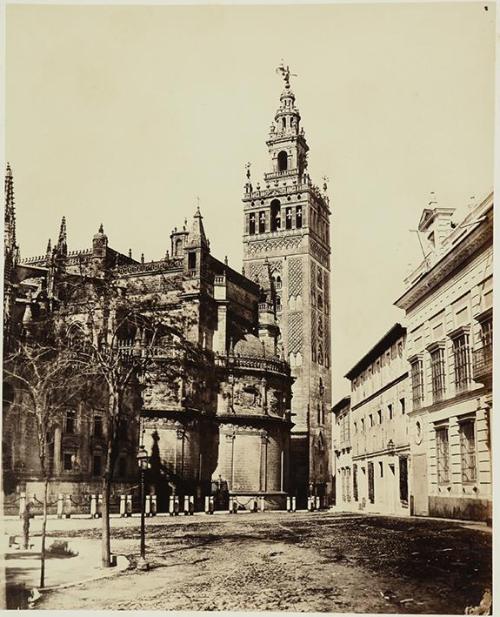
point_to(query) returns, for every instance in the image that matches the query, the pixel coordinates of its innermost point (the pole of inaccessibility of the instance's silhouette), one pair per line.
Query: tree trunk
(106, 531)
(44, 530)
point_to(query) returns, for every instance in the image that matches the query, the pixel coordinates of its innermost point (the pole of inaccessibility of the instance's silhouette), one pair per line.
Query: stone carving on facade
(247, 395)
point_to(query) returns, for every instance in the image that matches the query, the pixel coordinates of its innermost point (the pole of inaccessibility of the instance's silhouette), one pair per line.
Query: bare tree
(46, 383)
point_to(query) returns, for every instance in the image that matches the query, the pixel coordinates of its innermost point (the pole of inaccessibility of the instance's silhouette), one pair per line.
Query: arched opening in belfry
(275, 215)
(282, 161)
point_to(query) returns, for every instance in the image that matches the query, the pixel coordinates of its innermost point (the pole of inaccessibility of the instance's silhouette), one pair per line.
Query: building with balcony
(373, 429)
(448, 305)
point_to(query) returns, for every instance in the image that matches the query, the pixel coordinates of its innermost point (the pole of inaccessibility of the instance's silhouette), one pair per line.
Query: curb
(108, 573)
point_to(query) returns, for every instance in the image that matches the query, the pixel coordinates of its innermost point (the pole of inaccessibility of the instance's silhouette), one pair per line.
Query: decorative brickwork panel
(314, 321)
(276, 266)
(274, 244)
(255, 271)
(295, 277)
(295, 333)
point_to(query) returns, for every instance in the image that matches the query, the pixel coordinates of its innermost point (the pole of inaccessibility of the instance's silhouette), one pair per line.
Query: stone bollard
(191, 505)
(288, 503)
(22, 504)
(93, 506)
(128, 502)
(60, 505)
(255, 506)
(171, 505)
(123, 505)
(209, 504)
(67, 506)
(99, 506)
(310, 503)
(154, 505)
(294, 504)
(147, 505)
(233, 505)
(176, 505)
(262, 503)
(186, 505)
(318, 503)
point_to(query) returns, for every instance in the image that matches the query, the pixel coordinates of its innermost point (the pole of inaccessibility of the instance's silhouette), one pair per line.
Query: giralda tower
(287, 232)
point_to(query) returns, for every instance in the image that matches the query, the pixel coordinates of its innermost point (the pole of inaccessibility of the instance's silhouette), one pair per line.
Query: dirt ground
(293, 562)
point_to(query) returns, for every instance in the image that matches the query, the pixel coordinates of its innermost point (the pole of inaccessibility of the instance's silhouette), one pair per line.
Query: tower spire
(197, 236)
(62, 244)
(10, 213)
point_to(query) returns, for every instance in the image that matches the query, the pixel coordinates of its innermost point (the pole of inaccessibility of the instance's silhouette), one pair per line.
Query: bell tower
(287, 230)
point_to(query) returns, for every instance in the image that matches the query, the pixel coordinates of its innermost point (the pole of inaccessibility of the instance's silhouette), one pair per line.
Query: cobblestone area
(300, 562)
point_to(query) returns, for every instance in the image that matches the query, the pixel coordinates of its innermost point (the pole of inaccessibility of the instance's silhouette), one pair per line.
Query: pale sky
(123, 115)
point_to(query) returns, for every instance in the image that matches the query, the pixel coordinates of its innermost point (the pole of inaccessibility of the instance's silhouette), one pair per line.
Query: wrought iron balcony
(482, 366)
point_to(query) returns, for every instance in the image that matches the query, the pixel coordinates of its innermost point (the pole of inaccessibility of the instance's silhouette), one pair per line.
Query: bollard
(154, 506)
(294, 504)
(310, 503)
(93, 506)
(67, 506)
(147, 505)
(123, 506)
(230, 505)
(22, 504)
(207, 504)
(318, 503)
(171, 505)
(186, 505)
(262, 503)
(191, 505)
(128, 502)
(176, 505)
(99, 506)
(254, 506)
(60, 505)
(288, 504)
(212, 504)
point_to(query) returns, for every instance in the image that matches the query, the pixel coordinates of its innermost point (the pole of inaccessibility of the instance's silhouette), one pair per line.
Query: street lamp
(143, 464)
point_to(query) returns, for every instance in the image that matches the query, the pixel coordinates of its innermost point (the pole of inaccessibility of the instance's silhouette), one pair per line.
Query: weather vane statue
(285, 73)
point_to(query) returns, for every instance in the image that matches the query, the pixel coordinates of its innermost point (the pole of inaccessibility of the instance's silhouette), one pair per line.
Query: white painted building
(448, 304)
(378, 428)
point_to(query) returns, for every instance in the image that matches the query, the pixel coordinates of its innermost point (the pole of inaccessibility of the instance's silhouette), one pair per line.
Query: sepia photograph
(248, 307)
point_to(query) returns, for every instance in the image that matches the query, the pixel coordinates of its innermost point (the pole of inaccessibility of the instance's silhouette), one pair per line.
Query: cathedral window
(288, 218)
(262, 223)
(192, 260)
(251, 228)
(283, 157)
(96, 465)
(284, 125)
(275, 215)
(178, 246)
(70, 421)
(298, 217)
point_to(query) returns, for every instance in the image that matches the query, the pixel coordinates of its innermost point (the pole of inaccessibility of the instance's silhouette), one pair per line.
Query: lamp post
(143, 463)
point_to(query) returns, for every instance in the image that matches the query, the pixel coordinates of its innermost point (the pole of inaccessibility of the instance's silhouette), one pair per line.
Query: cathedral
(248, 416)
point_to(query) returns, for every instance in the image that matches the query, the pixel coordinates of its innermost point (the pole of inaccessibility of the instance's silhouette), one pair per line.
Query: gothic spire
(62, 244)
(197, 235)
(10, 212)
